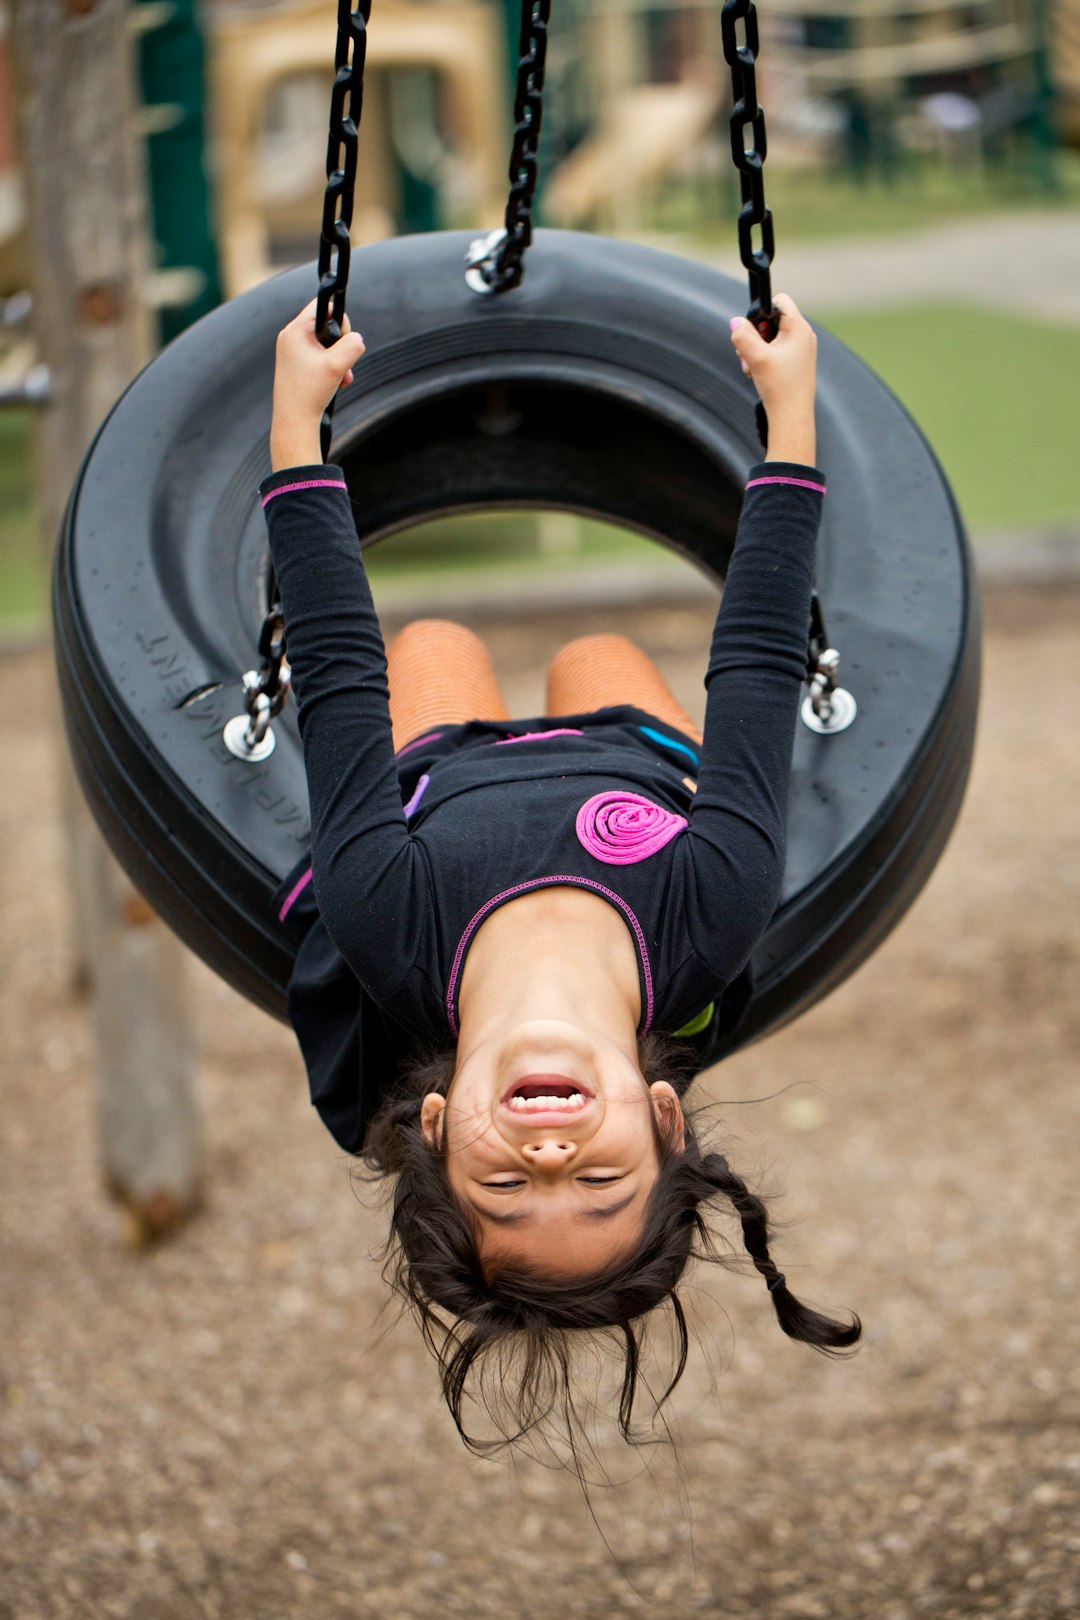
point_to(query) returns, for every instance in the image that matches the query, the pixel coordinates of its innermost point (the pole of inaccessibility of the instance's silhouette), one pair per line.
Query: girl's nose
(550, 1155)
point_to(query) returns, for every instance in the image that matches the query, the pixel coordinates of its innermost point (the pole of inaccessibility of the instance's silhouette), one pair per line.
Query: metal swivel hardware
(482, 260)
(248, 735)
(828, 707)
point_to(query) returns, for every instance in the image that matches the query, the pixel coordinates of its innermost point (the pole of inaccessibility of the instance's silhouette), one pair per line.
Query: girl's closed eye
(588, 1181)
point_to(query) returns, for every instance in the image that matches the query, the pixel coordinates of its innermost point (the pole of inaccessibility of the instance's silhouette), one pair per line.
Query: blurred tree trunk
(86, 196)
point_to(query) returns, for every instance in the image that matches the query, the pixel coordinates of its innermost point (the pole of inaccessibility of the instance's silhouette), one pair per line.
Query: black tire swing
(604, 386)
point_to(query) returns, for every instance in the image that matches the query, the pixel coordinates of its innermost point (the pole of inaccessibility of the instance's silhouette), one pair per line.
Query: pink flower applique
(621, 828)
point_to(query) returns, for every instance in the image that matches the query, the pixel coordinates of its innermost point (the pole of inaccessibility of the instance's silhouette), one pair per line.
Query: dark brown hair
(513, 1329)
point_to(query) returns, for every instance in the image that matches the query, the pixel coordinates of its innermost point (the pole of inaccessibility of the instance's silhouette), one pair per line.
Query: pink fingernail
(734, 321)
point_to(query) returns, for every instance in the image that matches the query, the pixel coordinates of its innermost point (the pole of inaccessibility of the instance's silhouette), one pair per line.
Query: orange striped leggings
(441, 674)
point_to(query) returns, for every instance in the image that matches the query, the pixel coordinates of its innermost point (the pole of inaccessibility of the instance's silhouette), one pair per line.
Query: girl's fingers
(347, 349)
(791, 317)
(748, 343)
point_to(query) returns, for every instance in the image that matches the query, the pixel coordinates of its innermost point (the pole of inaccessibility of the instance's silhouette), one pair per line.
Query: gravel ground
(233, 1424)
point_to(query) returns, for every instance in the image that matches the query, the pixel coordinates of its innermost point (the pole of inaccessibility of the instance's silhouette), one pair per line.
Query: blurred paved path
(1023, 263)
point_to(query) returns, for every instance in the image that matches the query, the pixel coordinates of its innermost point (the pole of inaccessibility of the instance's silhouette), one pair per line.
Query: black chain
(266, 689)
(272, 652)
(497, 260)
(748, 114)
(340, 183)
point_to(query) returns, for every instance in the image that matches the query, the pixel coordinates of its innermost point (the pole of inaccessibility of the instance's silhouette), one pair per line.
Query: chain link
(748, 114)
(276, 682)
(340, 183)
(495, 262)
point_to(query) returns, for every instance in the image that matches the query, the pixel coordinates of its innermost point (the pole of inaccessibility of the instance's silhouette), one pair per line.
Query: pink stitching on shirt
(418, 794)
(297, 889)
(537, 883)
(800, 483)
(538, 736)
(307, 483)
(418, 742)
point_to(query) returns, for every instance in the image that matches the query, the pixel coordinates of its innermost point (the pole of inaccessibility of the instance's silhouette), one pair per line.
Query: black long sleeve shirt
(410, 853)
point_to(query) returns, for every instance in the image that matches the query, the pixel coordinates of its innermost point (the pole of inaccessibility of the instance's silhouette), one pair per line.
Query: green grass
(23, 572)
(996, 397)
(440, 549)
(809, 203)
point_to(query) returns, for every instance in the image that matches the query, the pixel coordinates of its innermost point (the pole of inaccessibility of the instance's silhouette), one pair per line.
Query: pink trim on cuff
(800, 483)
(306, 483)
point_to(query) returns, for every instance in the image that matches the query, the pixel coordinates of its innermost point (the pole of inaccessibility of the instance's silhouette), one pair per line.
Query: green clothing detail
(699, 1022)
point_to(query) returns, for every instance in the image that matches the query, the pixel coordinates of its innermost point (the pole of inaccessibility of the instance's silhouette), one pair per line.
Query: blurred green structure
(172, 84)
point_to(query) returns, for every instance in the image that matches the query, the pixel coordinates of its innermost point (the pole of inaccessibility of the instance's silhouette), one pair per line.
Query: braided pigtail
(797, 1320)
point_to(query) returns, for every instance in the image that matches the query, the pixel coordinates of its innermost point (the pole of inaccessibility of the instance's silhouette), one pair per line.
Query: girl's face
(550, 1139)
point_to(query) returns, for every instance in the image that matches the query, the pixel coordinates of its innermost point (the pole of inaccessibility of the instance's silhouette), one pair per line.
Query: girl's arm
(758, 659)
(364, 867)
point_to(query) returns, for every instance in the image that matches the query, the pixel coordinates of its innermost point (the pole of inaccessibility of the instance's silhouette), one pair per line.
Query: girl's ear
(431, 1119)
(669, 1114)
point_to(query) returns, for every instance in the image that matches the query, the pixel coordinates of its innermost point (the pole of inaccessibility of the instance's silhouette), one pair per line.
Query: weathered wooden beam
(90, 264)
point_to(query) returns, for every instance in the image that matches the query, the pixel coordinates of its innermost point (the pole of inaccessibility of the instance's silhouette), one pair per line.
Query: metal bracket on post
(828, 708)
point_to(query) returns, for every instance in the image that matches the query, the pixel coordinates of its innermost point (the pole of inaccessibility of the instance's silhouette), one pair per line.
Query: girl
(541, 903)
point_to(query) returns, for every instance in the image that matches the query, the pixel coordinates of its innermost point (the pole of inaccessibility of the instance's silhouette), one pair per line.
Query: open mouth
(547, 1093)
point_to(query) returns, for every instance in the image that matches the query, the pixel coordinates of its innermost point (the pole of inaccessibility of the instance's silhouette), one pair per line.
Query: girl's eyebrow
(508, 1217)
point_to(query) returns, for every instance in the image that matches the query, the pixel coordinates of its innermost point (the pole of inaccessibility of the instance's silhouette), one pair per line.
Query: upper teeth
(535, 1104)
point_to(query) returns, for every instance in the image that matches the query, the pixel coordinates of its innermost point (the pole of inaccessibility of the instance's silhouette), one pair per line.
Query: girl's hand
(783, 372)
(306, 377)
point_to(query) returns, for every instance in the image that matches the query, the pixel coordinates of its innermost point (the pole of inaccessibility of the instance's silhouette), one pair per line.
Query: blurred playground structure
(234, 96)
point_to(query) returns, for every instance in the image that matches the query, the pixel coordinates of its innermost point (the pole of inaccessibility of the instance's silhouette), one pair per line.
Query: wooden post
(89, 260)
